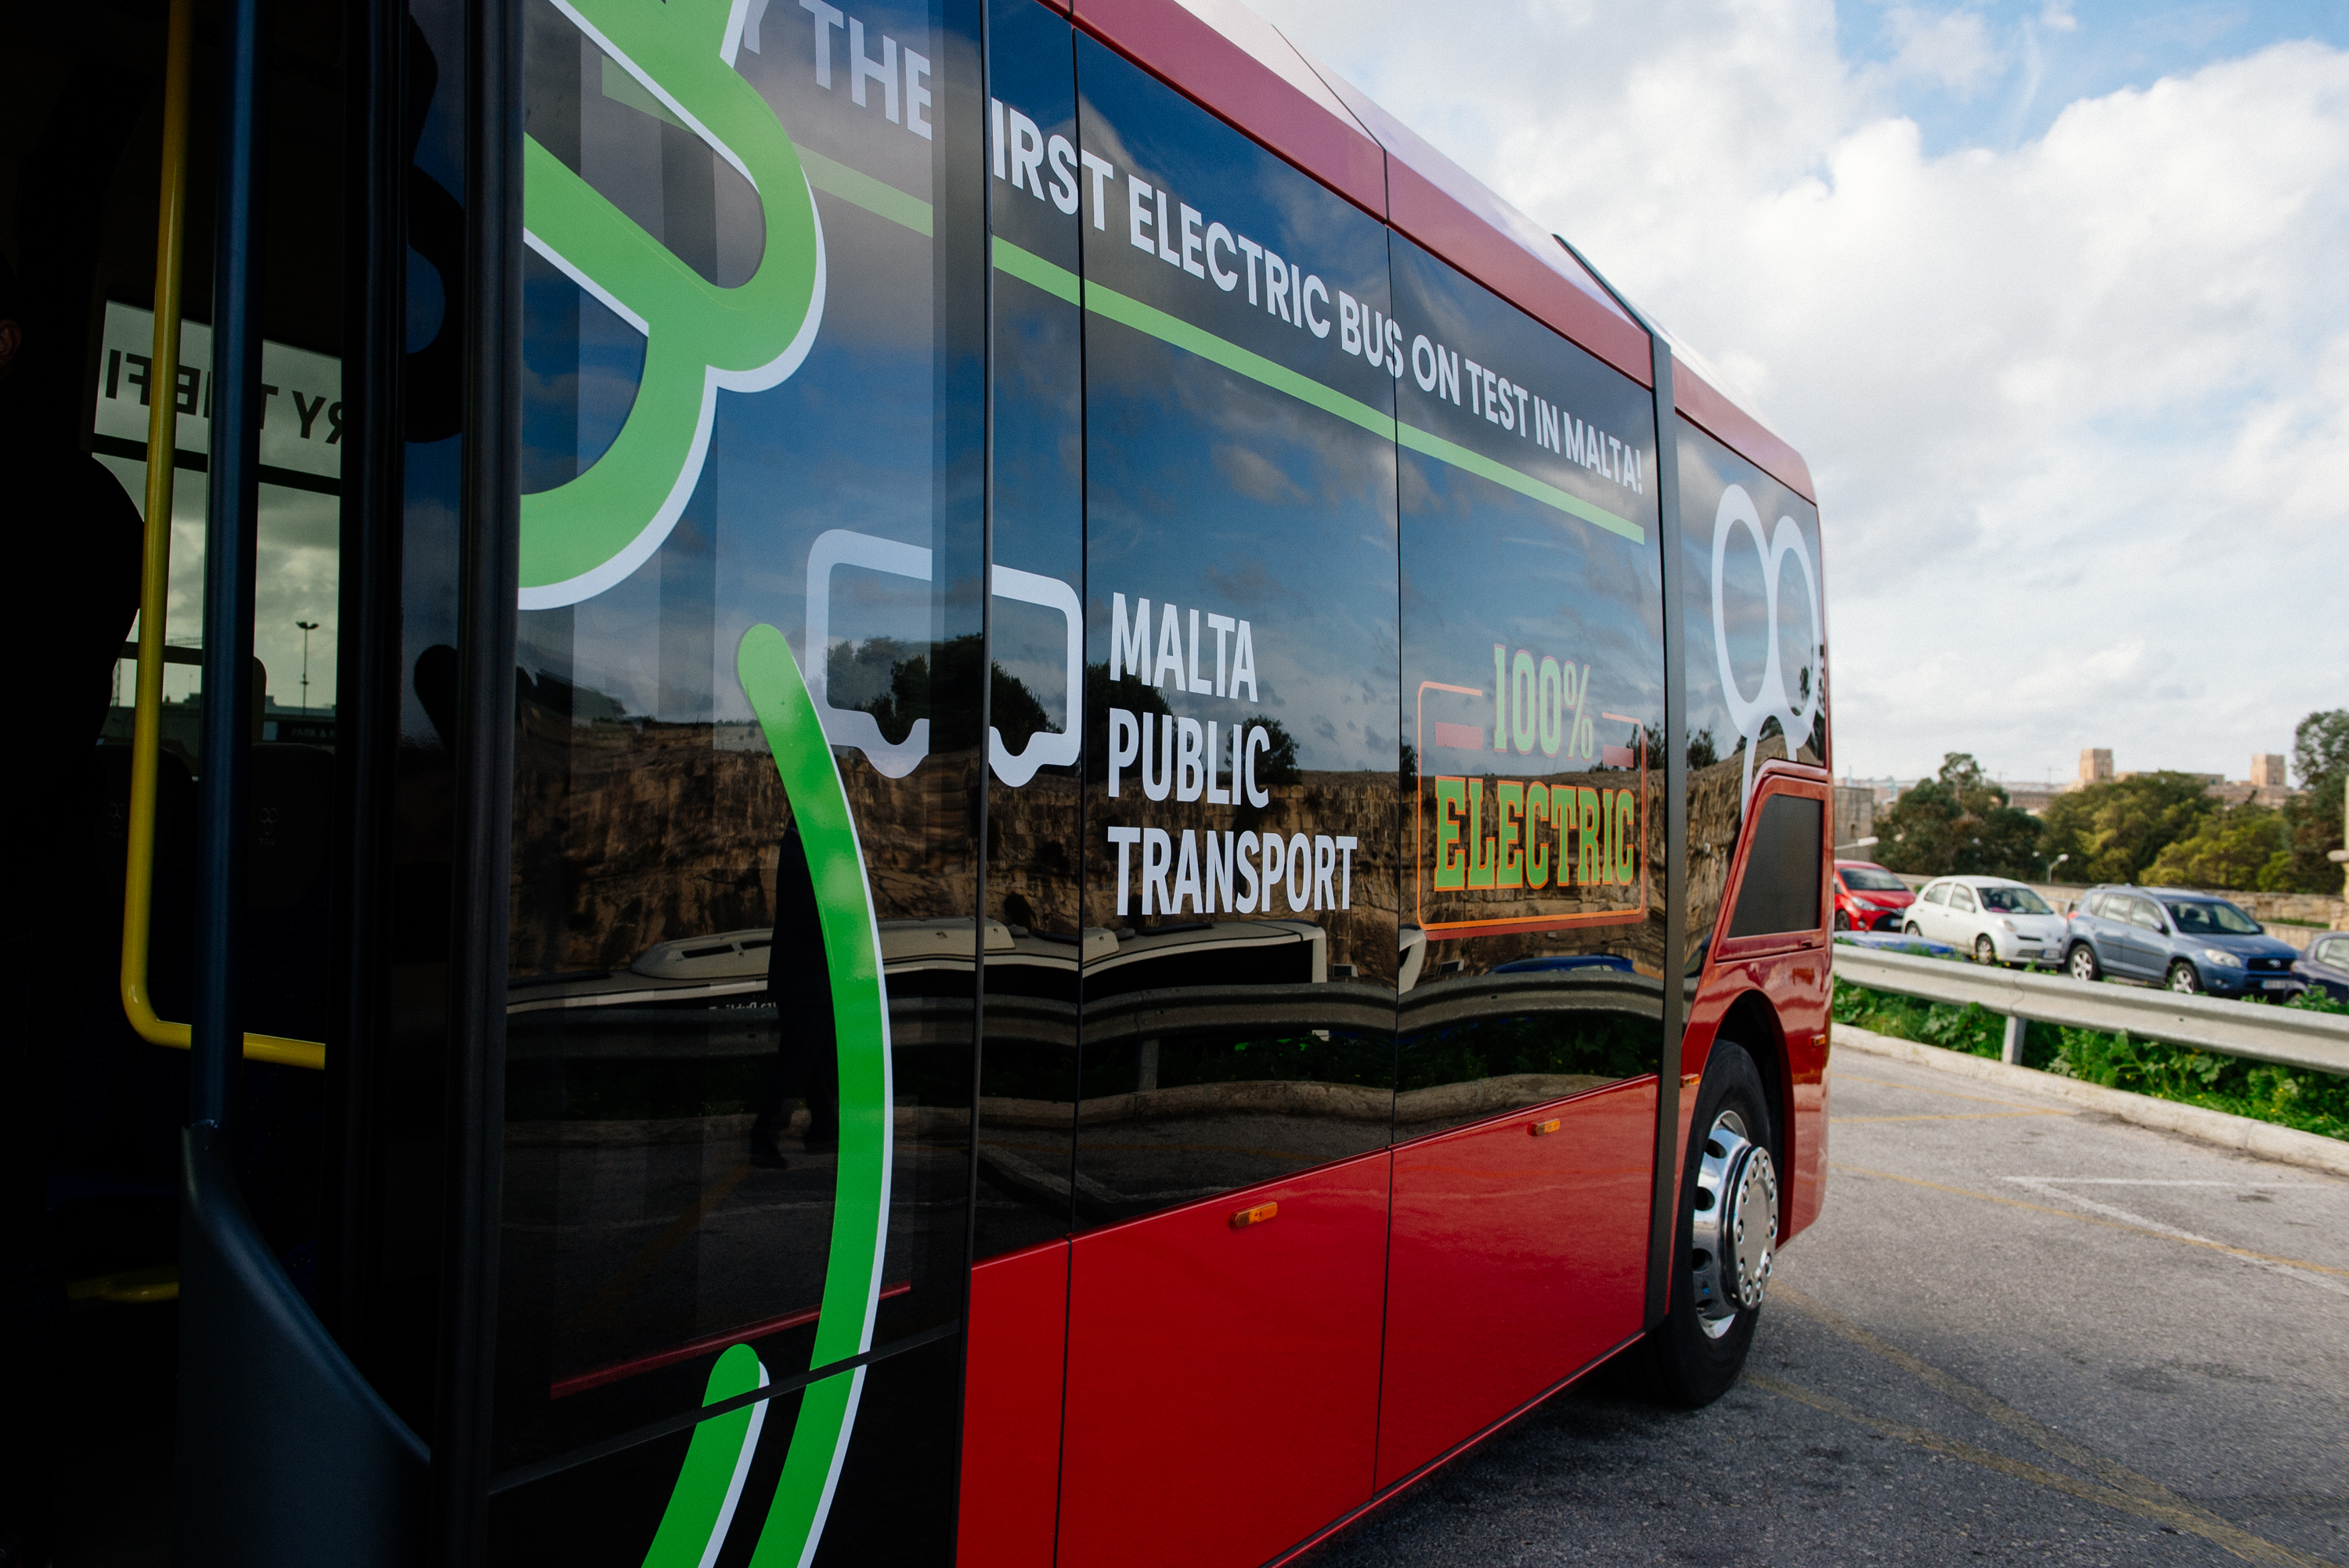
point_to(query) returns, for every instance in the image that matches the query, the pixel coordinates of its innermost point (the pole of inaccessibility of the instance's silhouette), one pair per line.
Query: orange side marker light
(1243, 1218)
(1541, 1129)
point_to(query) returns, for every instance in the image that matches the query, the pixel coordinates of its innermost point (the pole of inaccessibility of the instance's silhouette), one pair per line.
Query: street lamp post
(308, 627)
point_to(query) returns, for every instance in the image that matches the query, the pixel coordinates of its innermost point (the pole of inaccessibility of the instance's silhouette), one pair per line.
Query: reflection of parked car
(2326, 967)
(2188, 941)
(1995, 920)
(1867, 897)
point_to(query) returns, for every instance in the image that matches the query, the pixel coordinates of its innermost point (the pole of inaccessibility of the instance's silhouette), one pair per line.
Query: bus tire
(1726, 1236)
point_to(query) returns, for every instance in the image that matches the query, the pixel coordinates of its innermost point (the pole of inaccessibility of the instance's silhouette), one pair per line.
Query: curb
(2265, 1139)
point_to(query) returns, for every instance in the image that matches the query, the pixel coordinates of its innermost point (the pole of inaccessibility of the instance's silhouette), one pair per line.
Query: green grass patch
(2289, 1097)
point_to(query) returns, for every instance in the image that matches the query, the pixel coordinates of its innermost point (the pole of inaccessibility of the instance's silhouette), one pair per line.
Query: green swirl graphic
(709, 1483)
(585, 535)
(860, 1212)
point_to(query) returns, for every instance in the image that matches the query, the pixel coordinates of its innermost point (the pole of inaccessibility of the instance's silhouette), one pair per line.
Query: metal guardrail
(2286, 1037)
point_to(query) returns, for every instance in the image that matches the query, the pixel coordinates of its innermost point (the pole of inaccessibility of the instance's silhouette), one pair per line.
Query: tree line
(2152, 829)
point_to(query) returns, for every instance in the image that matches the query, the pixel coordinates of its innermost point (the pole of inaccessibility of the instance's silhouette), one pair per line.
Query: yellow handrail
(162, 437)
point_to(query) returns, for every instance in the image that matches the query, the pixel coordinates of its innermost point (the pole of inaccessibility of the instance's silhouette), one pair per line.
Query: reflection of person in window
(74, 540)
(807, 1056)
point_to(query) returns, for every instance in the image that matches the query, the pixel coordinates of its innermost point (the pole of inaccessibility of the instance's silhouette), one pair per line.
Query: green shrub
(2289, 1097)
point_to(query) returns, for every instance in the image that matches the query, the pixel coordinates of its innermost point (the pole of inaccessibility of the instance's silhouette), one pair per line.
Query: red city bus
(952, 782)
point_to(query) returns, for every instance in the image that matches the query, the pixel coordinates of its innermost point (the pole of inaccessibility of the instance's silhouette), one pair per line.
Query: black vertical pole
(1664, 1215)
(229, 534)
(286, 1455)
(489, 574)
(985, 261)
(367, 676)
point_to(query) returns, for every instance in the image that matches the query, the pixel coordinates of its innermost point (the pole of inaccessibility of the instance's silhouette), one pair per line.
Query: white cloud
(1952, 51)
(2076, 408)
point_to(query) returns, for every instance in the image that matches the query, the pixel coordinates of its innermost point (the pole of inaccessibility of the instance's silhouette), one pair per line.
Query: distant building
(2265, 787)
(1855, 819)
(2095, 765)
(2031, 797)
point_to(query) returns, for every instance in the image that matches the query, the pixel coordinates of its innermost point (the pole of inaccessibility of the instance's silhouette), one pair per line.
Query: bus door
(1532, 1003)
(748, 759)
(124, 1249)
(1234, 1081)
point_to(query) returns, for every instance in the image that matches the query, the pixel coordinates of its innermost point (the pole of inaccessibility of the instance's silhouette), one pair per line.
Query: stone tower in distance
(2095, 765)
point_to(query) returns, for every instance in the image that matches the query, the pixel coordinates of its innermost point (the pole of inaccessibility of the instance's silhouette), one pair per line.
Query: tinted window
(1750, 587)
(1240, 625)
(2141, 913)
(2014, 901)
(1868, 879)
(1781, 889)
(744, 933)
(1028, 1084)
(1532, 665)
(2213, 918)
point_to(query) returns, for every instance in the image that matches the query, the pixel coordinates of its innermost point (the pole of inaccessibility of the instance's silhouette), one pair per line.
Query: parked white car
(1996, 920)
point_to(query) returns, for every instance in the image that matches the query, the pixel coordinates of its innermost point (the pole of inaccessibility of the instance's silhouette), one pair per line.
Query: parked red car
(1867, 897)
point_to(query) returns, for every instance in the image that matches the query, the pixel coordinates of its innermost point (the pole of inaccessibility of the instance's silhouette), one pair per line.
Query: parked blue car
(2188, 941)
(2326, 967)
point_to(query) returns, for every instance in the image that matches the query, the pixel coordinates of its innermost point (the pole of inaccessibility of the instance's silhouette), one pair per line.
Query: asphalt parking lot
(2020, 1333)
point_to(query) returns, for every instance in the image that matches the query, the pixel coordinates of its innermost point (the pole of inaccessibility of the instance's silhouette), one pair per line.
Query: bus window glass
(1753, 608)
(1240, 645)
(1532, 702)
(749, 747)
(1028, 1059)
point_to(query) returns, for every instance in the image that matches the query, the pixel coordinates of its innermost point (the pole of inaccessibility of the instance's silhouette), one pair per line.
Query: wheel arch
(1752, 1022)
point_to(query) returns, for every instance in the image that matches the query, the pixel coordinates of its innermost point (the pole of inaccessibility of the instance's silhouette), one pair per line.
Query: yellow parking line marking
(2243, 1253)
(2164, 1508)
(1944, 1093)
(1952, 1115)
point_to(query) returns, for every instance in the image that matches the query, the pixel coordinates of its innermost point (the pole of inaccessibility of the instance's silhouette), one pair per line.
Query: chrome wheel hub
(1734, 1227)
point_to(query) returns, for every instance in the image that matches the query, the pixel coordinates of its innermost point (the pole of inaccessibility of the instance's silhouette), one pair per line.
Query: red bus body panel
(1016, 1348)
(1175, 1391)
(1792, 973)
(1228, 59)
(1448, 210)
(1740, 431)
(1223, 1385)
(1515, 1261)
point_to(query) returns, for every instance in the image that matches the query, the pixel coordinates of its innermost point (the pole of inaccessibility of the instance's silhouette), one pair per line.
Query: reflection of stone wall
(1035, 836)
(634, 833)
(630, 834)
(1713, 823)
(1334, 803)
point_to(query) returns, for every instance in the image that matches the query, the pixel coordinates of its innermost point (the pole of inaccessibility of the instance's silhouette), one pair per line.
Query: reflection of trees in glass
(1102, 694)
(895, 682)
(1277, 765)
(1701, 752)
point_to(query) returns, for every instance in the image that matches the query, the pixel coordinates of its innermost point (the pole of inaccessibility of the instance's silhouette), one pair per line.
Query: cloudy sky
(2054, 297)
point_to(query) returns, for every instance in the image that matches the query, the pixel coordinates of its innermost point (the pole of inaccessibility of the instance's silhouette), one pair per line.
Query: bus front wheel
(1727, 1234)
